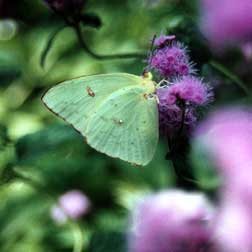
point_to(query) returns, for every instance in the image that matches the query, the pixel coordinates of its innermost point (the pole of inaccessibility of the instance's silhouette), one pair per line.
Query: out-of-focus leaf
(108, 242)
(3, 136)
(157, 175)
(204, 170)
(22, 219)
(129, 195)
(91, 19)
(233, 77)
(9, 68)
(30, 147)
(60, 159)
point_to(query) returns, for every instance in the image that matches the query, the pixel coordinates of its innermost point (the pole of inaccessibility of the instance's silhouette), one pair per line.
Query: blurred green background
(41, 157)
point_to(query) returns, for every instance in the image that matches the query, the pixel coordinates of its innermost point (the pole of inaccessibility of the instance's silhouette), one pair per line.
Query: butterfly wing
(126, 126)
(76, 100)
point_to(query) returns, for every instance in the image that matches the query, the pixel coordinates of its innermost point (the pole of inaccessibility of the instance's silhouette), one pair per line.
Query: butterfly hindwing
(126, 126)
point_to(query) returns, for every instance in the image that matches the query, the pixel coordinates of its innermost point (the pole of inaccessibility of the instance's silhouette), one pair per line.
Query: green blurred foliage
(41, 157)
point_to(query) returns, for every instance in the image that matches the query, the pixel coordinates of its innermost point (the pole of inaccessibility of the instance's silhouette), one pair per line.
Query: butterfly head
(148, 83)
(147, 75)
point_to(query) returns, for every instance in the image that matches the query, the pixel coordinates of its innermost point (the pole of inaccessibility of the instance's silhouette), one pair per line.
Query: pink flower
(189, 89)
(58, 215)
(247, 51)
(170, 60)
(226, 22)
(170, 119)
(193, 92)
(233, 227)
(227, 136)
(163, 40)
(72, 204)
(172, 221)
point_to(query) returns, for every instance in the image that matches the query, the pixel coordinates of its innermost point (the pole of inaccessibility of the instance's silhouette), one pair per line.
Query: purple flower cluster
(188, 89)
(171, 115)
(170, 58)
(72, 204)
(178, 104)
(183, 93)
(172, 221)
(163, 40)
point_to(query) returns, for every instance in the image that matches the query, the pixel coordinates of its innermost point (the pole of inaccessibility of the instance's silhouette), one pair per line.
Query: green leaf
(226, 72)
(9, 68)
(108, 242)
(204, 170)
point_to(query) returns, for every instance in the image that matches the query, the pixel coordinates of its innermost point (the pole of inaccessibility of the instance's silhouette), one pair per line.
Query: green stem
(78, 237)
(226, 72)
(181, 128)
(49, 44)
(85, 47)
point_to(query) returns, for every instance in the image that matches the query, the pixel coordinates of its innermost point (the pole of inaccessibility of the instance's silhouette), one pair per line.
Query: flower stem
(226, 72)
(49, 44)
(183, 108)
(184, 177)
(85, 47)
(78, 237)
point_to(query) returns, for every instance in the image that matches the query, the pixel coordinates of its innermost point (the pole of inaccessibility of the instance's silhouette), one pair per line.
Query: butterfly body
(116, 113)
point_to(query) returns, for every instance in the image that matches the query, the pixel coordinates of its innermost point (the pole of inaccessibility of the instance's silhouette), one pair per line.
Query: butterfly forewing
(76, 100)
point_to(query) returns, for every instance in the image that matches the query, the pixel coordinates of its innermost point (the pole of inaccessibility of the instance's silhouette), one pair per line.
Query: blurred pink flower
(227, 136)
(72, 204)
(233, 227)
(247, 51)
(58, 215)
(226, 22)
(172, 221)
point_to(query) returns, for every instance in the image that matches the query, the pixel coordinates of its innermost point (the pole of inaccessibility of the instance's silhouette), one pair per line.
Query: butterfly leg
(163, 81)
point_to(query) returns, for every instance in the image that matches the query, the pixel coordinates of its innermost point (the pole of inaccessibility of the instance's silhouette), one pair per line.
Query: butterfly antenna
(150, 54)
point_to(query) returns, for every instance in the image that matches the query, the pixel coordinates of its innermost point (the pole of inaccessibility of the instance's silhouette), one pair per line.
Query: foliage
(41, 157)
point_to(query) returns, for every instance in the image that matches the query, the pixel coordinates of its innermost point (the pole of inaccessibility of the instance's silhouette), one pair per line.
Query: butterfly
(116, 113)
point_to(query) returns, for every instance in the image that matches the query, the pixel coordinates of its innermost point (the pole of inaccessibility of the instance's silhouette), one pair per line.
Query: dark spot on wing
(135, 164)
(90, 91)
(117, 121)
(145, 96)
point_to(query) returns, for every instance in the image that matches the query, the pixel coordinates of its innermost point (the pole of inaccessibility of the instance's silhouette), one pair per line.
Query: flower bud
(66, 6)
